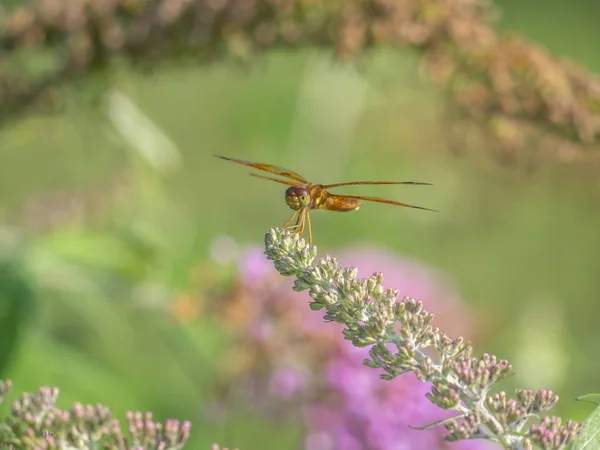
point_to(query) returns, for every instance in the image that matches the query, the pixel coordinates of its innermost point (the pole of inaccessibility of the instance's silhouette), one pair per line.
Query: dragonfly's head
(297, 197)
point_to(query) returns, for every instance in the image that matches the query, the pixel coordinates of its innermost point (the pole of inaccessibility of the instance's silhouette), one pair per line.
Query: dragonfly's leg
(285, 225)
(309, 229)
(303, 215)
(300, 222)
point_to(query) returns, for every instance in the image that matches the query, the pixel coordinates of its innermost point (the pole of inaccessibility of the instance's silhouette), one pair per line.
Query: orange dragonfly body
(303, 196)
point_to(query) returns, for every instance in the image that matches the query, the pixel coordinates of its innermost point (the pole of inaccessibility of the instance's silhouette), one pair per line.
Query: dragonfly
(303, 196)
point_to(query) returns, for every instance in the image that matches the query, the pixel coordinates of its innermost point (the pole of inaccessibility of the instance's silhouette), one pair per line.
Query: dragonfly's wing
(276, 180)
(353, 183)
(268, 168)
(382, 200)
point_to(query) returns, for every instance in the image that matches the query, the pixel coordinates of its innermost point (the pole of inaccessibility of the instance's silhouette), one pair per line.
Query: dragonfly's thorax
(318, 196)
(311, 196)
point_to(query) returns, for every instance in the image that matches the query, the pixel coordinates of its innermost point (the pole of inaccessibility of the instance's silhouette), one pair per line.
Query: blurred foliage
(17, 298)
(104, 244)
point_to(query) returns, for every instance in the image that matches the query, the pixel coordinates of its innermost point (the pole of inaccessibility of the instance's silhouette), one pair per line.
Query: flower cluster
(288, 361)
(400, 338)
(511, 87)
(36, 423)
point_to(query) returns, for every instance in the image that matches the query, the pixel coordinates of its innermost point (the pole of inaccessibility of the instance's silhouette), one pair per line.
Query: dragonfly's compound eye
(297, 197)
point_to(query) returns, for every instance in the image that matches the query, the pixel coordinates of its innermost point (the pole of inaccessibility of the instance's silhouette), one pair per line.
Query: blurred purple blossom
(254, 268)
(259, 277)
(288, 381)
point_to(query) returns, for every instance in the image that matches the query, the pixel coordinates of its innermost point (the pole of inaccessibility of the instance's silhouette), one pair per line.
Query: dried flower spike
(399, 333)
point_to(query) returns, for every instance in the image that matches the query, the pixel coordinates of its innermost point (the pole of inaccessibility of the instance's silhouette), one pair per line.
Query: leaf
(17, 306)
(589, 438)
(592, 398)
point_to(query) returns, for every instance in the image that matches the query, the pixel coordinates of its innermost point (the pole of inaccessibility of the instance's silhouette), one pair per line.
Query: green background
(83, 306)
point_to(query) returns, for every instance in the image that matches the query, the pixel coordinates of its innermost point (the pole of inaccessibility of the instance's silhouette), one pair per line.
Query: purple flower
(287, 382)
(322, 441)
(261, 331)
(255, 268)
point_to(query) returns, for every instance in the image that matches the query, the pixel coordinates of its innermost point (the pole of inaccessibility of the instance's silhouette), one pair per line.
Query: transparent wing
(276, 180)
(354, 183)
(382, 200)
(268, 168)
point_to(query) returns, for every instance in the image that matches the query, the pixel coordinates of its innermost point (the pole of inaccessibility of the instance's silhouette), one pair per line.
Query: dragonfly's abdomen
(341, 203)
